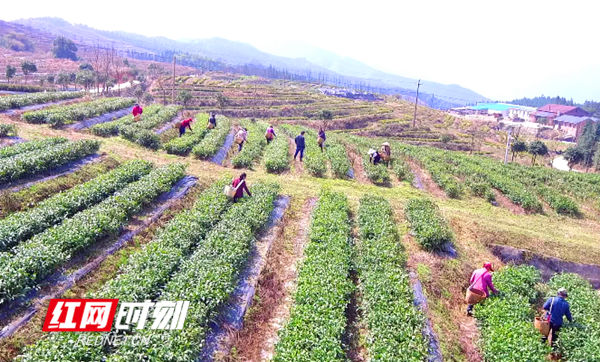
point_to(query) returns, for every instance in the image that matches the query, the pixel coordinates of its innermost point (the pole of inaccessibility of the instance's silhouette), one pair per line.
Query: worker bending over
(481, 280)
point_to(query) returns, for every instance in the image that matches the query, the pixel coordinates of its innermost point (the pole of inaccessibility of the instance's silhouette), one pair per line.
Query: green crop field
(337, 277)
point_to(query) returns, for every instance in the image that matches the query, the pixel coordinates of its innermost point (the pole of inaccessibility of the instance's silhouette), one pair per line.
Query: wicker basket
(542, 325)
(474, 296)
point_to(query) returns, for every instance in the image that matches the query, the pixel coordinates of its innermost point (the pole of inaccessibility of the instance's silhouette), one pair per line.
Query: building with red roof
(548, 113)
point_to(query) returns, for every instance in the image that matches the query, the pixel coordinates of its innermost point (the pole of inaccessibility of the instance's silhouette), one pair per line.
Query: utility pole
(416, 102)
(507, 146)
(173, 89)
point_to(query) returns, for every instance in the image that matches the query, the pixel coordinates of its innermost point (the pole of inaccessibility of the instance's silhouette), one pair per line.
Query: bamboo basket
(474, 296)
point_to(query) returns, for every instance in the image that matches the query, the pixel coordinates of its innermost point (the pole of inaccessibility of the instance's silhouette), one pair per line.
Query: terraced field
(361, 265)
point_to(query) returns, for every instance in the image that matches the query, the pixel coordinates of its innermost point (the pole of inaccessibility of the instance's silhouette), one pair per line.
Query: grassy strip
(22, 225)
(318, 319)
(22, 100)
(111, 128)
(206, 279)
(31, 261)
(30, 146)
(145, 273)
(428, 225)
(277, 158)
(213, 141)
(505, 321)
(394, 324)
(580, 341)
(253, 147)
(36, 161)
(184, 144)
(57, 116)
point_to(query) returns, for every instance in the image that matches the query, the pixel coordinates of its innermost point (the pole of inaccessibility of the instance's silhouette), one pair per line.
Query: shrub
(429, 227)
(8, 130)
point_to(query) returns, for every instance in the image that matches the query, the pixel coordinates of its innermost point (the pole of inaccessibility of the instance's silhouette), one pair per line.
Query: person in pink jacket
(481, 280)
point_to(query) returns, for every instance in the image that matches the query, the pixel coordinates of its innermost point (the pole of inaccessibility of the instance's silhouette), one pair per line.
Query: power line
(416, 102)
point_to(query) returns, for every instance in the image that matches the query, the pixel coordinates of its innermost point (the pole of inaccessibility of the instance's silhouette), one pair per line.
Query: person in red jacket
(185, 124)
(481, 280)
(239, 184)
(137, 112)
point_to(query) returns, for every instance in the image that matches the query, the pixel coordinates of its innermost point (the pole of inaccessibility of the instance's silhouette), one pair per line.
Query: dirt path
(298, 167)
(423, 180)
(256, 341)
(356, 160)
(506, 203)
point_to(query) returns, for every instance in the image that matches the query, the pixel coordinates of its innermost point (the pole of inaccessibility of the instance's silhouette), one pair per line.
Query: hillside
(400, 217)
(336, 69)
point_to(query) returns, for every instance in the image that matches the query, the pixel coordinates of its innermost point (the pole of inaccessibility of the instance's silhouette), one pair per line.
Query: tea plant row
(22, 225)
(430, 229)
(29, 262)
(394, 324)
(184, 144)
(44, 159)
(60, 115)
(206, 279)
(22, 100)
(318, 320)
(145, 273)
(253, 147)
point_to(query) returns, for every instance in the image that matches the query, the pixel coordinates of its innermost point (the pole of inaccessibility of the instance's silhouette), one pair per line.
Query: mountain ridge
(329, 64)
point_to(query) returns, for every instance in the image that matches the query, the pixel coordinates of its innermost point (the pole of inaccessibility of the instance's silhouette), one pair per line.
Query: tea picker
(137, 112)
(481, 281)
(556, 309)
(237, 188)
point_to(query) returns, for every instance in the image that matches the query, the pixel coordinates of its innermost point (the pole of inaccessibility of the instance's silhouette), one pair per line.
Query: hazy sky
(501, 49)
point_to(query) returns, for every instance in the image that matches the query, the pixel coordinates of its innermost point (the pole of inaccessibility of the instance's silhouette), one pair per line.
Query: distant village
(555, 121)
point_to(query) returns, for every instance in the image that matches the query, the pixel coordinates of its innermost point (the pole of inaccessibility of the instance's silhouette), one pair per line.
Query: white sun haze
(502, 50)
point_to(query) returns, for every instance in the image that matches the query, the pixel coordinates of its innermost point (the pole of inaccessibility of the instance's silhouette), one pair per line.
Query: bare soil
(256, 341)
(356, 160)
(506, 203)
(298, 168)
(428, 184)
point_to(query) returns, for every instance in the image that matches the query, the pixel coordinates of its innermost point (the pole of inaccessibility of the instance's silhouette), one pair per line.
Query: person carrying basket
(481, 281)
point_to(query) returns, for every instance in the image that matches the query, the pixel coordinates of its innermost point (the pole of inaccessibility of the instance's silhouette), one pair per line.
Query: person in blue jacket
(300, 144)
(557, 308)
